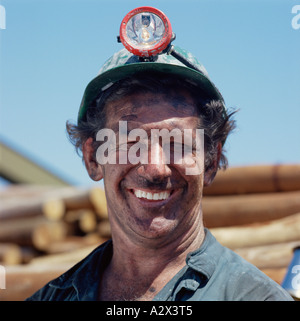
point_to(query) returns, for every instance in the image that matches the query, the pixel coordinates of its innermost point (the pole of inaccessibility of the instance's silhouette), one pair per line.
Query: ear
(211, 172)
(93, 168)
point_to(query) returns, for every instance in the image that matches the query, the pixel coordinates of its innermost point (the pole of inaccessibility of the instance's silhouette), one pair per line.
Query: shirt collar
(204, 260)
(200, 266)
(84, 276)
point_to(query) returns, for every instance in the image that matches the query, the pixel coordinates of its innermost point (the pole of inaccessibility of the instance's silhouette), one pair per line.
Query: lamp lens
(145, 29)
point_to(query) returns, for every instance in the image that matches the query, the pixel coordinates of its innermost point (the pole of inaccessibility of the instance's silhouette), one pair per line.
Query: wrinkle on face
(128, 109)
(147, 112)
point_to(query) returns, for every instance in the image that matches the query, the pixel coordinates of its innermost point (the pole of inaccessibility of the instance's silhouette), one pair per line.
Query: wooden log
(20, 231)
(84, 219)
(276, 274)
(54, 204)
(53, 209)
(28, 206)
(10, 254)
(23, 280)
(71, 257)
(28, 253)
(25, 191)
(246, 209)
(88, 221)
(72, 216)
(72, 243)
(278, 231)
(104, 229)
(13, 254)
(93, 198)
(19, 210)
(45, 234)
(256, 179)
(269, 256)
(36, 231)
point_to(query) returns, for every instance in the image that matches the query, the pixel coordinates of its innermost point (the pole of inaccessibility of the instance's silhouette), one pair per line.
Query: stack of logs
(44, 231)
(255, 211)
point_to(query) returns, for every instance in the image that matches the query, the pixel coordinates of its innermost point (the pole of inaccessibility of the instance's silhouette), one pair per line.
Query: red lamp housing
(145, 31)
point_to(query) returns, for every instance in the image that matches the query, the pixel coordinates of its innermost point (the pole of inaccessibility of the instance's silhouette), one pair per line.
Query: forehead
(151, 107)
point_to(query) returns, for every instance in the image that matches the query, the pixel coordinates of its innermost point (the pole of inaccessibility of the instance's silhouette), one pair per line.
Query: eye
(173, 146)
(132, 142)
(124, 147)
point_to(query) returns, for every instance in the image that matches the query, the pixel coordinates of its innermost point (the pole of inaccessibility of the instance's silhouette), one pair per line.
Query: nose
(157, 169)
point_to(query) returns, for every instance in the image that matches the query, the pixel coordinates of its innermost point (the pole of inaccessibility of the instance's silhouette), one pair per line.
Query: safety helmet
(172, 60)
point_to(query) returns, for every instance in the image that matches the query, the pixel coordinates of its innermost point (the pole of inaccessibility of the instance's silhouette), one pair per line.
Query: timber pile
(44, 231)
(255, 211)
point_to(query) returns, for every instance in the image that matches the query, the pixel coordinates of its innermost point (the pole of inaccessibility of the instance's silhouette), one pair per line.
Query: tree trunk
(256, 179)
(246, 209)
(278, 231)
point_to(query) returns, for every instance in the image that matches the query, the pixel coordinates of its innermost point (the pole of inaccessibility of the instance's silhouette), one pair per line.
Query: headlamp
(146, 31)
(147, 36)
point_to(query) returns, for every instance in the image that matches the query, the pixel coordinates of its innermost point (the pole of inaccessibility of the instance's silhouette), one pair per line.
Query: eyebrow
(129, 117)
(116, 127)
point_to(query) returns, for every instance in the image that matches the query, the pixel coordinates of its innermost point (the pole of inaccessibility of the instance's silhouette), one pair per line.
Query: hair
(216, 123)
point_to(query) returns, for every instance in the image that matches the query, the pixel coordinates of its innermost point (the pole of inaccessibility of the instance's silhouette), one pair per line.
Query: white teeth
(151, 196)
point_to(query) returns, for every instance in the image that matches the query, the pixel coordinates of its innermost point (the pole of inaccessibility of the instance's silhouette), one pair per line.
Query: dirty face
(154, 200)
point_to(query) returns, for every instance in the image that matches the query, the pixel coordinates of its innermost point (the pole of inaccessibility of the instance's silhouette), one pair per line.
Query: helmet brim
(109, 77)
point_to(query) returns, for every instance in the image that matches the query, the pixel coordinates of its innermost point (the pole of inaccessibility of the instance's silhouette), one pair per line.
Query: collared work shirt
(212, 273)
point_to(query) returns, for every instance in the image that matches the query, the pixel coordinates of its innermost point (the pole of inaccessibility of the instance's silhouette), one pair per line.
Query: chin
(157, 228)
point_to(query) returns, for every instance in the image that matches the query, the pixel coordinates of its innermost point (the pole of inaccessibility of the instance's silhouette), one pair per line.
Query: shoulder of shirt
(245, 281)
(251, 284)
(54, 289)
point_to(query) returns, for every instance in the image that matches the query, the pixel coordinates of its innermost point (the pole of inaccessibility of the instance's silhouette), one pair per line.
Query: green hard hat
(124, 64)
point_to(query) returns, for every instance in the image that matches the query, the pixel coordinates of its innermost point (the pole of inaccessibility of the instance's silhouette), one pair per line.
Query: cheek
(194, 182)
(192, 171)
(114, 177)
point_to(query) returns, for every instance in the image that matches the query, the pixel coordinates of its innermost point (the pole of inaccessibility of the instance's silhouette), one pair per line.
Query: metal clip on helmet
(146, 34)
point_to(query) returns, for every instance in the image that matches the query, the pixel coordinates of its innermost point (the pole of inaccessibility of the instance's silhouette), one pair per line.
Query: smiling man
(176, 121)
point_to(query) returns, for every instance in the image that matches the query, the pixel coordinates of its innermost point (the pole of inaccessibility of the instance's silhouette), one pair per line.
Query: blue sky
(51, 49)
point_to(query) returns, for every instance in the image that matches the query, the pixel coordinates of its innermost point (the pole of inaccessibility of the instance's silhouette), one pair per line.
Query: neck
(140, 267)
(152, 264)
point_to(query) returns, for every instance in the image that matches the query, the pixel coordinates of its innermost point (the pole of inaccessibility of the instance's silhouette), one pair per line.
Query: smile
(152, 196)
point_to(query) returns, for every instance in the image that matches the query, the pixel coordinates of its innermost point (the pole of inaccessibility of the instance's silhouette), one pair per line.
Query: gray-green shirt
(212, 273)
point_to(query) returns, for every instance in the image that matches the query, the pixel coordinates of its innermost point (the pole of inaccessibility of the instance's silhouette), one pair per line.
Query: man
(160, 249)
